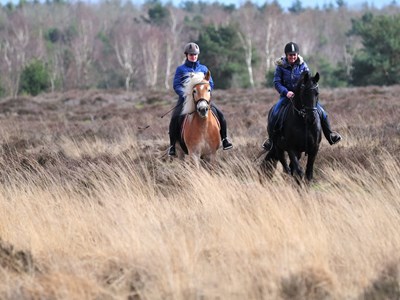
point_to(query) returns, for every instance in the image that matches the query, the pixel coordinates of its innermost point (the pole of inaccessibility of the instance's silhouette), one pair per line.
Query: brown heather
(91, 208)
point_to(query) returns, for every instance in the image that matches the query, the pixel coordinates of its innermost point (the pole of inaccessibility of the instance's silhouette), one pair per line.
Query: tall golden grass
(94, 218)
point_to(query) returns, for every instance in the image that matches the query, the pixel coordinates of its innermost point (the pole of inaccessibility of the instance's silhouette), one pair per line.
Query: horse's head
(202, 96)
(198, 94)
(307, 92)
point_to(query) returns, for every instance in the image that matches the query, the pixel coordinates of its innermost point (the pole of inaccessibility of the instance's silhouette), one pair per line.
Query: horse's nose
(204, 111)
(203, 108)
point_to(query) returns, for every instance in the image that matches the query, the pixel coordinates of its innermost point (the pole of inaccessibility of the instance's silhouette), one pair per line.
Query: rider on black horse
(192, 64)
(287, 73)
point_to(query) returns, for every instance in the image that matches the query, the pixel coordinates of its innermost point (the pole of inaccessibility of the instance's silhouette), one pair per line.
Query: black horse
(300, 132)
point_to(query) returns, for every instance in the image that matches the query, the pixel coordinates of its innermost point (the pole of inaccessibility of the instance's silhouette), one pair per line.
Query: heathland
(92, 208)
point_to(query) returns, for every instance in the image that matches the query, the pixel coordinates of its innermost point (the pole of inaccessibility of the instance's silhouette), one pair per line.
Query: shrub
(34, 78)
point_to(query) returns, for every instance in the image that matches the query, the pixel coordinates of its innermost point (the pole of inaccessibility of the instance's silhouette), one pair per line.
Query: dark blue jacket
(287, 76)
(182, 72)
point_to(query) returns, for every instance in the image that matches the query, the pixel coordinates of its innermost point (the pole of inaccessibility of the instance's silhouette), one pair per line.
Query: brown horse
(200, 137)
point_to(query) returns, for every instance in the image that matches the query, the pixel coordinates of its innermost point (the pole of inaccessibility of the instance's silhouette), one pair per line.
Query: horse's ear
(316, 77)
(208, 76)
(306, 76)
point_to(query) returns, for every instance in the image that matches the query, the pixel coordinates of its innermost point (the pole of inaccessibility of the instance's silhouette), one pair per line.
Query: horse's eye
(209, 90)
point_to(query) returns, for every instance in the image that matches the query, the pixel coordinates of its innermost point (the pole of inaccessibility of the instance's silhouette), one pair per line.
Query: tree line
(114, 44)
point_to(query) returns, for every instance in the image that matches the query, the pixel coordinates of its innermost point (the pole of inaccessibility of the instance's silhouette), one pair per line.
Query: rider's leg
(332, 136)
(226, 143)
(174, 130)
(272, 123)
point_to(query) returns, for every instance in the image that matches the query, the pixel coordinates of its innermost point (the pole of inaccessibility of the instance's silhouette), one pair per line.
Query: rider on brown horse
(191, 65)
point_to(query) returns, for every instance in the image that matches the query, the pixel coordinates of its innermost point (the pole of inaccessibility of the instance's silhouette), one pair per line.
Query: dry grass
(91, 209)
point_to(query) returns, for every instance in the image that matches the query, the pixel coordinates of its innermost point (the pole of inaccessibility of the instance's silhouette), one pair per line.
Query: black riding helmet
(291, 48)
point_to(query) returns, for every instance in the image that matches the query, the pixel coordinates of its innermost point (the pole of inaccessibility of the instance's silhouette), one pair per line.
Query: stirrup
(267, 145)
(226, 144)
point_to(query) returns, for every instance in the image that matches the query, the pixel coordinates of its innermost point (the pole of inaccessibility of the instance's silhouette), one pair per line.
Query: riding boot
(268, 143)
(173, 135)
(332, 136)
(272, 131)
(226, 143)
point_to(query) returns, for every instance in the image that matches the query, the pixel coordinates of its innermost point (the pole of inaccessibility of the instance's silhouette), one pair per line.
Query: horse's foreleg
(282, 159)
(196, 161)
(210, 160)
(295, 164)
(310, 166)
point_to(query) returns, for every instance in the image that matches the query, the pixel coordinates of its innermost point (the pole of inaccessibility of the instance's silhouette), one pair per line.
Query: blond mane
(188, 84)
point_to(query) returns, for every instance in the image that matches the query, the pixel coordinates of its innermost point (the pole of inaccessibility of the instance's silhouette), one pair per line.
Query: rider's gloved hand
(290, 94)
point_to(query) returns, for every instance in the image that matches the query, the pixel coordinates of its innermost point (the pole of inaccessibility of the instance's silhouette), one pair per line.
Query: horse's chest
(301, 137)
(201, 135)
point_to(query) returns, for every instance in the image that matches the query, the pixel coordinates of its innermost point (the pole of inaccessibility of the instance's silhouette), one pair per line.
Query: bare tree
(82, 44)
(15, 40)
(150, 40)
(248, 14)
(271, 35)
(91, 38)
(173, 32)
(124, 41)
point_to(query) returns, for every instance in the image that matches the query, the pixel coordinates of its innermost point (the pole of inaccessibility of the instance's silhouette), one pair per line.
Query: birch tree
(271, 39)
(83, 43)
(151, 45)
(126, 47)
(173, 33)
(248, 15)
(14, 43)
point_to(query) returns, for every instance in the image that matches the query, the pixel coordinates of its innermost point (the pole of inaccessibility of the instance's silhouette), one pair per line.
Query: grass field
(91, 207)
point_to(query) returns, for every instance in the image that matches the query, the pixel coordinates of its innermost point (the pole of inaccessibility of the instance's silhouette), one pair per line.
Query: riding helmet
(291, 48)
(192, 48)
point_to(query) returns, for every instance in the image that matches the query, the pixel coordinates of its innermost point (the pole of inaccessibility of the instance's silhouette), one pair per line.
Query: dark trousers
(275, 122)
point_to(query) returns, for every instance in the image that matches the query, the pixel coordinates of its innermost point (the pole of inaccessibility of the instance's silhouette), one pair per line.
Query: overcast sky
(306, 3)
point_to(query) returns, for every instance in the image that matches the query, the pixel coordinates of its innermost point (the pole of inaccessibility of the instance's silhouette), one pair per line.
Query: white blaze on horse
(200, 134)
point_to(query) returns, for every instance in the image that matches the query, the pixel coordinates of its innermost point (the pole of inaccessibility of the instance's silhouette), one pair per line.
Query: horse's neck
(296, 103)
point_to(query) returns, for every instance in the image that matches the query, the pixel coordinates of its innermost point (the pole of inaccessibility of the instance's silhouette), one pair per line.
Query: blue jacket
(182, 72)
(287, 76)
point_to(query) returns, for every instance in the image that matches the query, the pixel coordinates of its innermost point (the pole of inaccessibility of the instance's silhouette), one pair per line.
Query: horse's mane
(188, 84)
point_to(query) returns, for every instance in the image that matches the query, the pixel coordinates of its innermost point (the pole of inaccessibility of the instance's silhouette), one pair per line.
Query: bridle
(304, 110)
(196, 102)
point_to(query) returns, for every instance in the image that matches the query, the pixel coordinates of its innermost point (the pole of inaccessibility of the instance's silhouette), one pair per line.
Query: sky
(321, 3)
(308, 3)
